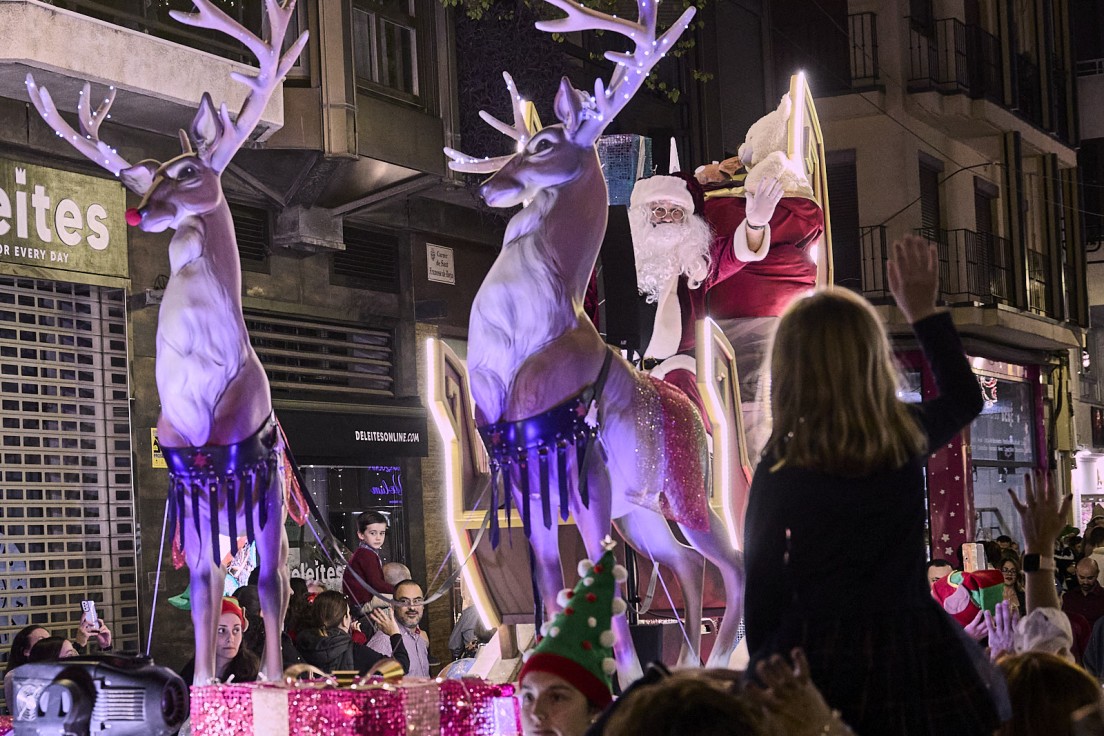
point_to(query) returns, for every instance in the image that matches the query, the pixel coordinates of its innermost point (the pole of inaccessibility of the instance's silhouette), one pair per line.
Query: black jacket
(336, 651)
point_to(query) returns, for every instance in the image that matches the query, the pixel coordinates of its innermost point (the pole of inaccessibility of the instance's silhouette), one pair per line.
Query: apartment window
(930, 171)
(843, 190)
(385, 46)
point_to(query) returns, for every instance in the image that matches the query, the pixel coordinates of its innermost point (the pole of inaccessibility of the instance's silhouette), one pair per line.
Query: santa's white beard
(667, 250)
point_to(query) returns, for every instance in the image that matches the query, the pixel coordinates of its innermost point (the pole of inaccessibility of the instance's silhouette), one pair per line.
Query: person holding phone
(91, 629)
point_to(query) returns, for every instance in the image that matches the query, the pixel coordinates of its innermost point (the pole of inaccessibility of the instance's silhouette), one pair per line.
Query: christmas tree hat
(577, 645)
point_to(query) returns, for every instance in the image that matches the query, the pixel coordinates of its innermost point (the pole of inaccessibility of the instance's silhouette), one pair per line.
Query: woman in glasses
(1013, 586)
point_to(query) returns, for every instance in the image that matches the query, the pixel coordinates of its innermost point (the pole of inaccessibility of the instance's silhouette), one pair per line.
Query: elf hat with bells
(578, 643)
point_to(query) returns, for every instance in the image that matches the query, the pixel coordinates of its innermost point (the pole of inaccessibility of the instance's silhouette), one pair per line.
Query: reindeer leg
(714, 545)
(274, 586)
(545, 547)
(206, 599)
(594, 524)
(650, 535)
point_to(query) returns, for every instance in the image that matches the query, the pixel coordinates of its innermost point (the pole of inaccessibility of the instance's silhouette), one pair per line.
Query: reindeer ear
(568, 106)
(206, 127)
(139, 177)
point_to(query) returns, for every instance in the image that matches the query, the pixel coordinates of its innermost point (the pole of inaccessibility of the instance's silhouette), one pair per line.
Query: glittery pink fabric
(6, 725)
(472, 707)
(222, 710)
(671, 453)
(409, 706)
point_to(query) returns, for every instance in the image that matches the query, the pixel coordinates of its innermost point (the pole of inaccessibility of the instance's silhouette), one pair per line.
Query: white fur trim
(561, 598)
(588, 581)
(544, 629)
(619, 606)
(554, 631)
(585, 566)
(609, 665)
(620, 574)
(661, 189)
(675, 362)
(606, 638)
(667, 326)
(740, 245)
(592, 622)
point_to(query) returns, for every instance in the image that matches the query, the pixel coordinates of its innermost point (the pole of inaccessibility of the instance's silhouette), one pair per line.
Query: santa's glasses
(675, 214)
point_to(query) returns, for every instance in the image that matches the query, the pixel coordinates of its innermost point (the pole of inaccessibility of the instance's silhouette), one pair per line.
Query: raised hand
(913, 274)
(1044, 512)
(793, 701)
(384, 620)
(761, 204)
(1001, 628)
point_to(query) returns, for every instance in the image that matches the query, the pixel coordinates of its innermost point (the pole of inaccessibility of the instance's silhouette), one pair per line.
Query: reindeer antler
(273, 68)
(632, 67)
(519, 131)
(88, 140)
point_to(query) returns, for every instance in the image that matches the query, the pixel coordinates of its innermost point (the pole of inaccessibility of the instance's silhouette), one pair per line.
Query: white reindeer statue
(544, 382)
(216, 427)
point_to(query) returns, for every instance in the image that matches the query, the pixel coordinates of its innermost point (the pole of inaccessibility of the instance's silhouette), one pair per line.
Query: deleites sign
(442, 268)
(59, 221)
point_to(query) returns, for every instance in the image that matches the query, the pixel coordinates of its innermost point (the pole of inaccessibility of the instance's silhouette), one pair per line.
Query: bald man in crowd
(1087, 598)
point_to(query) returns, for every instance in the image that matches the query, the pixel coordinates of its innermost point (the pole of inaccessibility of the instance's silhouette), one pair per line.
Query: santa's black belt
(571, 424)
(240, 472)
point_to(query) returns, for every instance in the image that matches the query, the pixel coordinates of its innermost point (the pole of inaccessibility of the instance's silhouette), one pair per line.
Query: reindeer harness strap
(571, 424)
(238, 474)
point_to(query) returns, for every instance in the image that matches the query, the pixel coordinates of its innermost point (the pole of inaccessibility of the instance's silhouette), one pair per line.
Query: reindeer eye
(187, 172)
(542, 145)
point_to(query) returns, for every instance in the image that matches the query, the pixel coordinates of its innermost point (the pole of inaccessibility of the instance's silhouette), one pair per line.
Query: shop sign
(440, 264)
(339, 438)
(58, 220)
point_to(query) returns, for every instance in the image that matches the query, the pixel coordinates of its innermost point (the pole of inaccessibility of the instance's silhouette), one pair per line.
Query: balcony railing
(864, 50)
(973, 267)
(954, 58)
(1090, 67)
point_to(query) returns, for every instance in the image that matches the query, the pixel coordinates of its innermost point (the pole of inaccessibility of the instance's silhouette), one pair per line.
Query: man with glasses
(409, 603)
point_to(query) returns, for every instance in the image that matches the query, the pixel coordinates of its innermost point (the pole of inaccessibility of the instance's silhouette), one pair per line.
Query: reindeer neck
(209, 236)
(576, 224)
(569, 222)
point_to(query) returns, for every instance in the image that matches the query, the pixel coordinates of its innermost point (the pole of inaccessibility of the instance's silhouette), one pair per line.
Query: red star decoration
(200, 460)
(581, 410)
(496, 438)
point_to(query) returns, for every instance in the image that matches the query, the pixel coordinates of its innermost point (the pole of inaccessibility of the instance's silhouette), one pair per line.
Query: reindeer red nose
(133, 217)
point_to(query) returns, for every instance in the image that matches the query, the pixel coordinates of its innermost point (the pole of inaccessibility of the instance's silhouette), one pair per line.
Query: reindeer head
(187, 185)
(549, 159)
(558, 155)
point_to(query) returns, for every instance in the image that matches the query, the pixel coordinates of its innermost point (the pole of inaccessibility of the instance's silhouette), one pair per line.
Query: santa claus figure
(731, 248)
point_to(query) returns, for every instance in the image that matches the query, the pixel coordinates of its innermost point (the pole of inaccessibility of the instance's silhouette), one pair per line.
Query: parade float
(552, 439)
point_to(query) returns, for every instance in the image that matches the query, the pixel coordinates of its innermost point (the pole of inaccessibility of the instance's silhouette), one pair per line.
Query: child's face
(373, 535)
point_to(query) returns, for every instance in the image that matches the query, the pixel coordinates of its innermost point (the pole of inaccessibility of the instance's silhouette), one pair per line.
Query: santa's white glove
(760, 206)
